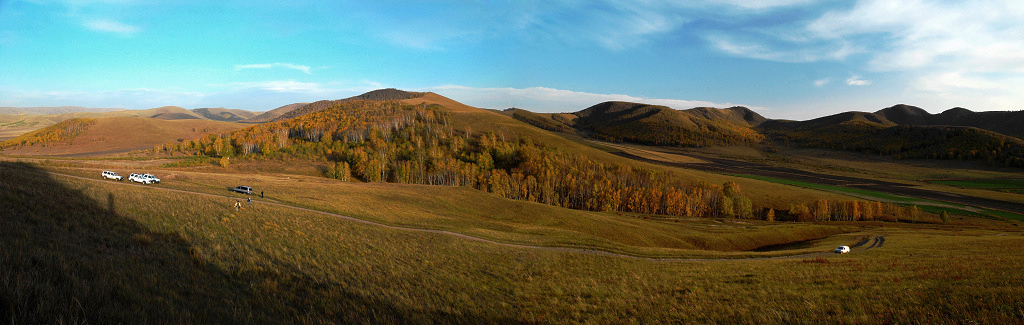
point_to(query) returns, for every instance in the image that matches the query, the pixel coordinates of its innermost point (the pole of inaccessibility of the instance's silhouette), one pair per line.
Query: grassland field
(105, 252)
(78, 249)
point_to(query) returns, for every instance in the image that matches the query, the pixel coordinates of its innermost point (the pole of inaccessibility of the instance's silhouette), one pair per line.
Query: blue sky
(791, 59)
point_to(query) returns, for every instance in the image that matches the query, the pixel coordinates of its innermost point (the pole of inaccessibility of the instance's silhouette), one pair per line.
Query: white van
(843, 250)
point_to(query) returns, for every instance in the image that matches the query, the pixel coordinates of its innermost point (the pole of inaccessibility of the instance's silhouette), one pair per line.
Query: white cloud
(979, 36)
(542, 99)
(945, 49)
(821, 82)
(111, 26)
(855, 80)
(304, 68)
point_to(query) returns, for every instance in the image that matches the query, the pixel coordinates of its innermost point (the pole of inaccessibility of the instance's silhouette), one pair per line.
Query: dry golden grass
(500, 219)
(109, 253)
(122, 134)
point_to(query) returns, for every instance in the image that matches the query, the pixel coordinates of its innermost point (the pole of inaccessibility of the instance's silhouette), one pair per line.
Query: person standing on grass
(250, 201)
(238, 206)
(261, 194)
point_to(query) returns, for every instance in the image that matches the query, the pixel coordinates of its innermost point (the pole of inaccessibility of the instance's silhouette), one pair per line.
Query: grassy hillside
(1004, 122)
(64, 131)
(550, 122)
(224, 114)
(901, 141)
(274, 113)
(14, 125)
(389, 94)
(827, 121)
(376, 141)
(660, 125)
(108, 252)
(110, 135)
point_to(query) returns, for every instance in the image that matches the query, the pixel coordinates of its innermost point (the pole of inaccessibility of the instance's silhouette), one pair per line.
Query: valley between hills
(406, 207)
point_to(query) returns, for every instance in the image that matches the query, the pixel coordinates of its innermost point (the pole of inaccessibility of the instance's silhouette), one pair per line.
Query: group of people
(238, 205)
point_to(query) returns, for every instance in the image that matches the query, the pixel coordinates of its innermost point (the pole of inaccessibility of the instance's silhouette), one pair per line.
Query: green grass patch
(930, 206)
(835, 189)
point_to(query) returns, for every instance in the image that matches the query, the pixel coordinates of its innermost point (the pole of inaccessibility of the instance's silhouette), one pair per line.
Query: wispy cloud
(821, 82)
(855, 80)
(943, 48)
(111, 26)
(304, 68)
(543, 99)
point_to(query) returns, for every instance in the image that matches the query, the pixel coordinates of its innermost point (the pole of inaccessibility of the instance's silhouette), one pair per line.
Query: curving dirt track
(727, 166)
(877, 239)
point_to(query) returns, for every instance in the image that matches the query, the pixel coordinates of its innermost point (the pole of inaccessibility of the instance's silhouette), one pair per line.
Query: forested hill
(654, 124)
(389, 94)
(872, 133)
(1006, 122)
(902, 131)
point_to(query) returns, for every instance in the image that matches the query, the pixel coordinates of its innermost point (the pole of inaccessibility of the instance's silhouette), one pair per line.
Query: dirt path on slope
(855, 248)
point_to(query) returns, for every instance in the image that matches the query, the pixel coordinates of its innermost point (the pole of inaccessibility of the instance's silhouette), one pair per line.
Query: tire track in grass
(586, 251)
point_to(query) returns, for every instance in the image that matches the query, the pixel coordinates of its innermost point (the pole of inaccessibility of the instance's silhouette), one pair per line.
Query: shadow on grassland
(67, 258)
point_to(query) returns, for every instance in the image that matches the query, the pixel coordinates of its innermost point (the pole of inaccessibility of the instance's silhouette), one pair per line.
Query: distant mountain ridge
(654, 124)
(1010, 123)
(224, 114)
(274, 113)
(54, 110)
(906, 131)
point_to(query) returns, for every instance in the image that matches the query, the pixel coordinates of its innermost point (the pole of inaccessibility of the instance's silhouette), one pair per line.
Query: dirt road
(877, 239)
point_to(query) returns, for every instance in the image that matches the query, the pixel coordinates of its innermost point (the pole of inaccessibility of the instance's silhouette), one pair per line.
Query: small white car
(143, 178)
(111, 175)
(843, 250)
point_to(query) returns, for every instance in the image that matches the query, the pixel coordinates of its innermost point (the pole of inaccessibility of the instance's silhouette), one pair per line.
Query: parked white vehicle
(112, 175)
(143, 178)
(242, 189)
(843, 250)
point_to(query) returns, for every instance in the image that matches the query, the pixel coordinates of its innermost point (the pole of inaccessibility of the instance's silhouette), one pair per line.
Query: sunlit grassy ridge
(109, 253)
(62, 131)
(505, 220)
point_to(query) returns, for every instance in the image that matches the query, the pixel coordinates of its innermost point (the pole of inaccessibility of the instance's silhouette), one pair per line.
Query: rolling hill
(875, 133)
(274, 113)
(653, 124)
(110, 135)
(224, 114)
(35, 118)
(1005, 122)
(55, 110)
(827, 121)
(388, 94)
